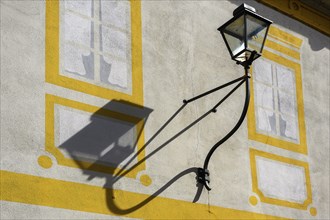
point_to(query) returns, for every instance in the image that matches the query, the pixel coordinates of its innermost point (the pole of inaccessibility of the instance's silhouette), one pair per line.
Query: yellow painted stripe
(137, 68)
(285, 37)
(76, 196)
(278, 47)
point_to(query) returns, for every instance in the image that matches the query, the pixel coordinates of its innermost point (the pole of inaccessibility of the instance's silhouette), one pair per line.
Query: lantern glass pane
(234, 35)
(236, 45)
(256, 32)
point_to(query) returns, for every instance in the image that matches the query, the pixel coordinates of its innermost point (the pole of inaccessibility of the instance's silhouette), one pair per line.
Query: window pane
(115, 13)
(288, 127)
(114, 42)
(114, 72)
(78, 30)
(263, 71)
(266, 121)
(281, 180)
(78, 61)
(264, 96)
(285, 79)
(83, 7)
(286, 103)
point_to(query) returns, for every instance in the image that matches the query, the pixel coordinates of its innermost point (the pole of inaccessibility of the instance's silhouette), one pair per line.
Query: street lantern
(245, 34)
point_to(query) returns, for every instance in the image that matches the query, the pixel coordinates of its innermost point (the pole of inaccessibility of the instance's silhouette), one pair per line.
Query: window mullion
(276, 100)
(96, 37)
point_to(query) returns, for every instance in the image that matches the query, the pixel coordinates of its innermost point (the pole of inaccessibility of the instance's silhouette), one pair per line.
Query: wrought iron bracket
(203, 177)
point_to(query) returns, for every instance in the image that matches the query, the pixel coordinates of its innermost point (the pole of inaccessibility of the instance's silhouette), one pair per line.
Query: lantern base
(247, 63)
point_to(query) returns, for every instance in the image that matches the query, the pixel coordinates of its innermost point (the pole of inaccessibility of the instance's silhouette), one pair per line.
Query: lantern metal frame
(203, 174)
(245, 10)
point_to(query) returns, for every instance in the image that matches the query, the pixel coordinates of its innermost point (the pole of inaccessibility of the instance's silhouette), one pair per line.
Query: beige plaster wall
(183, 55)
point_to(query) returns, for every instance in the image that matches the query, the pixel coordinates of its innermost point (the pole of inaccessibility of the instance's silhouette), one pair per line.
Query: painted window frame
(276, 91)
(52, 64)
(284, 160)
(253, 134)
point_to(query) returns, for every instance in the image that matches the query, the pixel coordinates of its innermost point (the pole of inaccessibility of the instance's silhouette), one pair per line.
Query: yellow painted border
(252, 130)
(52, 58)
(81, 197)
(285, 50)
(301, 12)
(284, 42)
(253, 154)
(284, 37)
(51, 101)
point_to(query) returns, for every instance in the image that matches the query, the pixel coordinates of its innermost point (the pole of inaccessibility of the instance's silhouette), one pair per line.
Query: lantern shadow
(110, 137)
(107, 148)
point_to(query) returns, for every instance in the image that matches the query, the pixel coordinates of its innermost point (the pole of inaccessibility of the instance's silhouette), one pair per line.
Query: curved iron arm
(204, 173)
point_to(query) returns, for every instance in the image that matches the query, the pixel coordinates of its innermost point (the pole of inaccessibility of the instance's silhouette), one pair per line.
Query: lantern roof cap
(243, 7)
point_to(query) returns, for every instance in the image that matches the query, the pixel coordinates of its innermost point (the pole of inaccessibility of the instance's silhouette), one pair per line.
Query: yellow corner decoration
(256, 153)
(54, 76)
(253, 200)
(45, 162)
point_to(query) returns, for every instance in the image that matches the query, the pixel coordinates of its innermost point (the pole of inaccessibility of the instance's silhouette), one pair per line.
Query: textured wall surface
(93, 124)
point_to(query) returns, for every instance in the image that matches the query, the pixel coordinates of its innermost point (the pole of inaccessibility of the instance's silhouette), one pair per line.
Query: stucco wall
(66, 135)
